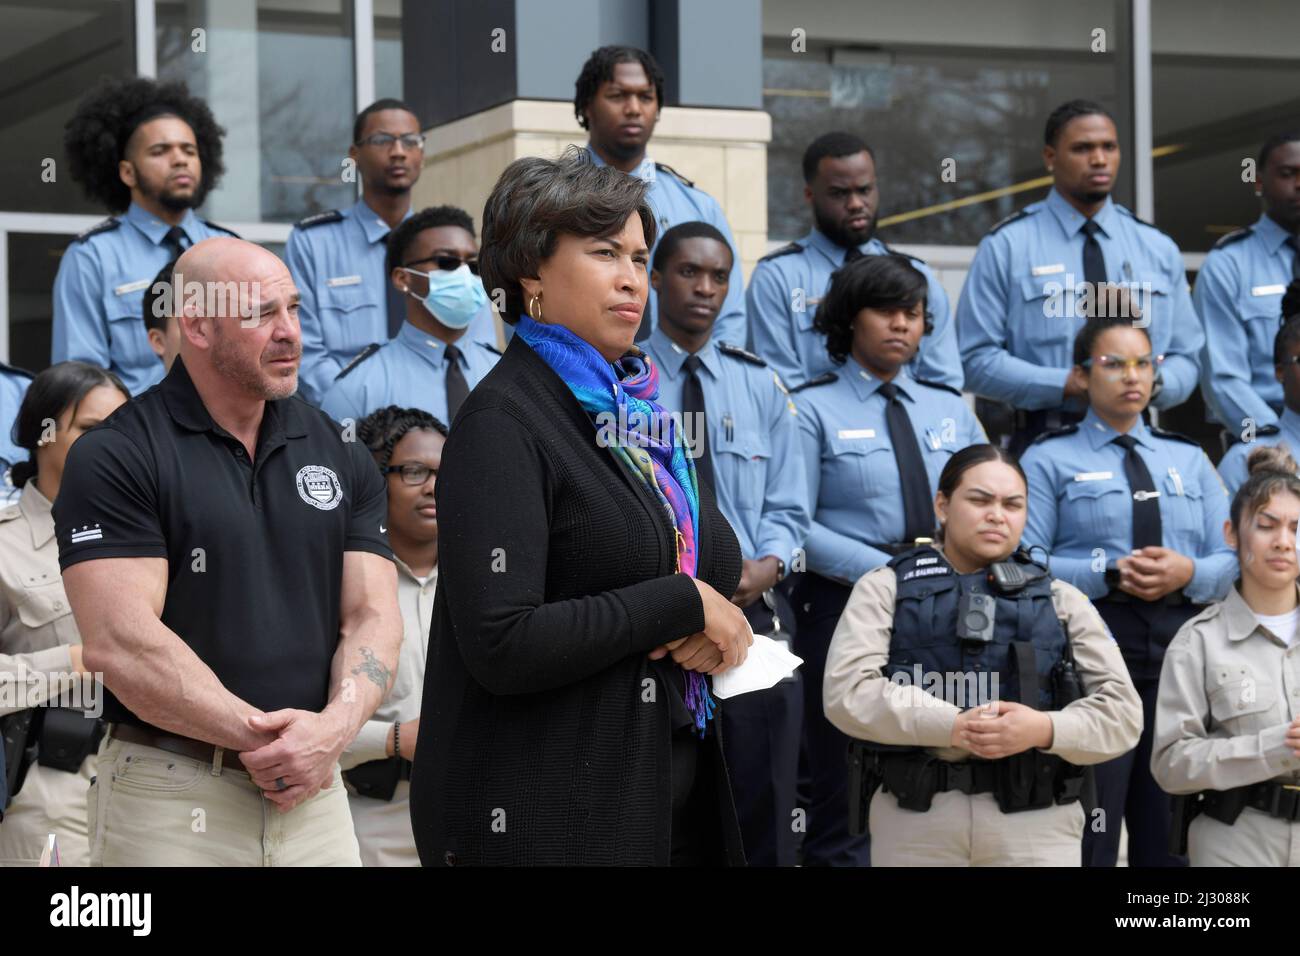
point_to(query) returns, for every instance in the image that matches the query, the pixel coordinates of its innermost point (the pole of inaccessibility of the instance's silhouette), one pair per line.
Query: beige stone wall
(723, 151)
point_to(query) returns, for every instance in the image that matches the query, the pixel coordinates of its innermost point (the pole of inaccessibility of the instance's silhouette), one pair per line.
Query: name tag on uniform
(1048, 270)
(1094, 476)
(1267, 289)
(132, 287)
(343, 280)
(857, 433)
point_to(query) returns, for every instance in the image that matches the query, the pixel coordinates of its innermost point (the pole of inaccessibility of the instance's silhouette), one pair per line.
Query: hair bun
(1271, 458)
(22, 472)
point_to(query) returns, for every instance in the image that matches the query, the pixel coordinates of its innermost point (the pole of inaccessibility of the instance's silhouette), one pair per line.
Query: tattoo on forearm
(373, 668)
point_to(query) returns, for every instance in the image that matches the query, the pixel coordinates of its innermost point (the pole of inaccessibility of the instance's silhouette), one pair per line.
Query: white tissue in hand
(768, 663)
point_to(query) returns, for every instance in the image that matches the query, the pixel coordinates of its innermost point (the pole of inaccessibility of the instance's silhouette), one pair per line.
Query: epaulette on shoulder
(823, 379)
(220, 228)
(1057, 432)
(108, 225)
(491, 348)
(1014, 217)
(365, 353)
(906, 255)
(943, 385)
(735, 351)
(15, 370)
(789, 249)
(319, 219)
(1235, 236)
(665, 168)
(1136, 218)
(1176, 436)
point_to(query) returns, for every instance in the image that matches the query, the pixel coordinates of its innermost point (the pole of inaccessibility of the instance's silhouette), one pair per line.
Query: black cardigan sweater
(544, 736)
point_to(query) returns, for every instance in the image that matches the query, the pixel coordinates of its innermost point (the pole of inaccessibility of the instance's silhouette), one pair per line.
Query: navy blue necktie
(1147, 531)
(918, 507)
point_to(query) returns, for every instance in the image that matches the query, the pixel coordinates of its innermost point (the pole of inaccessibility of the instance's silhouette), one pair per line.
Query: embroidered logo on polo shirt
(319, 487)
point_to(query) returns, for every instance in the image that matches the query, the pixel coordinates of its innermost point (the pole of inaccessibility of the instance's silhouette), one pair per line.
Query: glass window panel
(51, 53)
(924, 87)
(388, 49)
(1223, 81)
(279, 77)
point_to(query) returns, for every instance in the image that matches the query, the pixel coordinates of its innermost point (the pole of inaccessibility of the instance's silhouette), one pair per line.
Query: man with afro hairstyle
(149, 152)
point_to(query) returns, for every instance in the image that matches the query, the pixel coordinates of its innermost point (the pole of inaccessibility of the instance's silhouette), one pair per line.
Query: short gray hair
(536, 200)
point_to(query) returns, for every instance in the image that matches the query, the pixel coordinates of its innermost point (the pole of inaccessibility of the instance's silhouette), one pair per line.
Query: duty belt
(1278, 800)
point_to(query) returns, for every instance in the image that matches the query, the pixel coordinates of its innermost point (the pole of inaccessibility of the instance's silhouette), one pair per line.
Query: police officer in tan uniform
(1227, 725)
(40, 649)
(983, 686)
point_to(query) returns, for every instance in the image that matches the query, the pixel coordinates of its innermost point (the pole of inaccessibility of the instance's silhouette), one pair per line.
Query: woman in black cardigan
(566, 717)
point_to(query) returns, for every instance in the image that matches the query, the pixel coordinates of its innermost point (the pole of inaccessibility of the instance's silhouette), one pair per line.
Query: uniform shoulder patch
(220, 228)
(365, 353)
(943, 385)
(319, 219)
(1014, 217)
(492, 348)
(665, 168)
(1235, 236)
(789, 249)
(1175, 436)
(108, 225)
(735, 351)
(825, 378)
(1057, 433)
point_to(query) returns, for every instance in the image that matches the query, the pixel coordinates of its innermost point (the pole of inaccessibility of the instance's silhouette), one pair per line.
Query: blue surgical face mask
(454, 297)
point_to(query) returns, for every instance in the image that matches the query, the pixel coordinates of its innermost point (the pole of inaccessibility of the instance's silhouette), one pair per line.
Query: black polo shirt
(254, 549)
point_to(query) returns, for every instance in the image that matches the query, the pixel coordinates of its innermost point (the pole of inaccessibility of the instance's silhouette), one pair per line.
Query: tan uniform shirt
(1229, 690)
(415, 598)
(863, 703)
(36, 622)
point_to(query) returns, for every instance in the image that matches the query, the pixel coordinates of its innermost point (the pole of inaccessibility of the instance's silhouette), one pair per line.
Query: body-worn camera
(975, 617)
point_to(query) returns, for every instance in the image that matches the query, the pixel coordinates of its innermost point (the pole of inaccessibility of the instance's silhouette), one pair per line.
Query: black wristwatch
(1112, 578)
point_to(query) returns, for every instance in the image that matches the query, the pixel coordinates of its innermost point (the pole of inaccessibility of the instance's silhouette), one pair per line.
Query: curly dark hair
(888, 281)
(382, 429)
(431, 218)
(95, 138)
(599, 69)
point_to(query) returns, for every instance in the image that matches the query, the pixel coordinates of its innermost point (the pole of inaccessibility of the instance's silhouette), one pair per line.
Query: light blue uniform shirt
(1286, 430)
(337, 261)
(673, 202)
(753, 444)
(1081, 505)
(13, 386)
(789, 284)
(1239, 296)
(409, 371)
(1018, 316)
(853, 482)
(99, 293)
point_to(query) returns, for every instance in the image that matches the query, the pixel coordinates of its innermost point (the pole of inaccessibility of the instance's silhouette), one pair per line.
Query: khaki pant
(51, 801)
(384, 828)
(962, 830)
(148, 807)
(1256, 839)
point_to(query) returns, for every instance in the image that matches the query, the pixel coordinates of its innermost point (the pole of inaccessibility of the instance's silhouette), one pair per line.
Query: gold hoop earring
(535, 301)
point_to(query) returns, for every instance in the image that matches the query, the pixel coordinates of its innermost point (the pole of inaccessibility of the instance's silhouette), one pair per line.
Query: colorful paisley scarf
(621, 398)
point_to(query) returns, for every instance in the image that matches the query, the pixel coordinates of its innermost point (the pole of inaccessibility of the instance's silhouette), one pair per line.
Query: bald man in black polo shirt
(224, 552)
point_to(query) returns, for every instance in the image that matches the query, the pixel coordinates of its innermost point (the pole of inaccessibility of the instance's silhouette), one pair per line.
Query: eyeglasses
(447, 263)
(384, 140)
(413, 473)
(1114, 365)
